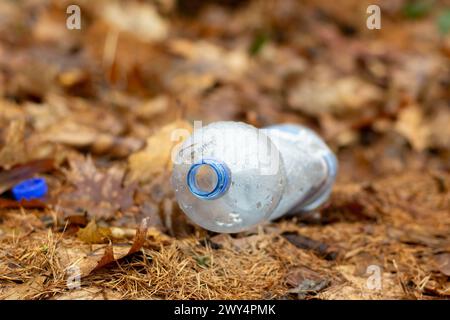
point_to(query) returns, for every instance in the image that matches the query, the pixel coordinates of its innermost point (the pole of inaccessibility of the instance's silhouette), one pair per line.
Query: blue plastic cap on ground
(223, 175)
(34, 188)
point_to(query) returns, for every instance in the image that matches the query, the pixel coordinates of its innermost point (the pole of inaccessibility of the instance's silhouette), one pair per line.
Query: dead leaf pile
(100, 112)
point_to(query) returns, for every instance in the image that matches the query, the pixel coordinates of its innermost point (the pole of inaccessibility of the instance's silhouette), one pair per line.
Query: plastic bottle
(230, 176)
(310, 166)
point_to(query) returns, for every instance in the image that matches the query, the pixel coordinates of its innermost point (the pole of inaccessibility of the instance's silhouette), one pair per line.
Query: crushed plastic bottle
(230, 176)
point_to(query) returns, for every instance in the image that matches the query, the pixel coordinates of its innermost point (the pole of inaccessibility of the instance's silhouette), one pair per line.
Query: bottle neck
(216, 174)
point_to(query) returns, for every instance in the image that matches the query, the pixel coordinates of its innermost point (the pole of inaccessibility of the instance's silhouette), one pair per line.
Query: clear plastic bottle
(230, 176)
(310, 166)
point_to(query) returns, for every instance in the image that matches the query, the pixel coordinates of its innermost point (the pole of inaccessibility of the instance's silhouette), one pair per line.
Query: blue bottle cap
(223, 176)
(30, 189)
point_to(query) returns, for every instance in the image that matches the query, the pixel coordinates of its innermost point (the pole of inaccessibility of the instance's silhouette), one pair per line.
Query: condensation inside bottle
(228, 177)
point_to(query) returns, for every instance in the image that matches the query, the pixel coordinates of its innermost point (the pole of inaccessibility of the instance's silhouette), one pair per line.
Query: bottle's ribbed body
(310, 167)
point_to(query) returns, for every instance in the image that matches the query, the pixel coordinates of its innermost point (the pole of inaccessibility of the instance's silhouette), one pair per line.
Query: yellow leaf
(92, 233)
(157, 155)
(14, 151)
(411, 125)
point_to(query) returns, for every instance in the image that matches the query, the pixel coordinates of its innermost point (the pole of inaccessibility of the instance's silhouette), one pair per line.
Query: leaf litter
(94, 112)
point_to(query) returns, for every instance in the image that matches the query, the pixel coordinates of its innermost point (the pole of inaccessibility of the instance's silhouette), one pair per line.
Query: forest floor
(92, 111)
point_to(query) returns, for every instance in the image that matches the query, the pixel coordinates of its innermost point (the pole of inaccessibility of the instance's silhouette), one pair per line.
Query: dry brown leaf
(139, 19)
(156, 157)
(153, 235)
(440, 129)
(330, 95)
(92, 233)
(105, 89)
(72, 77)
(88, 259)
(443, 263)
(98, 193)
(28, 204)
(153, 107)
(71, 133)
(25, 290)
(411, 125)
(414, 73)
(321, 249)
(203, 64)
(306, 282)
(299, 274)
(355, 287)
(14, 150)
(212, 58)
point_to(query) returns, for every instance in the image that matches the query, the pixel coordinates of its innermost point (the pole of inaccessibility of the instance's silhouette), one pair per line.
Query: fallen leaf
(432, 287)
(355, 287)
(140, 19)
(203, 64)
(14, 150)
(98, 193)
(439, 129)
(328, 94)
(306, 282)
(411, 125)
(153, 235)
(88, 260)
(321, 249)
(156, 157)
(72, 77)
(443, 263)
(93, 233)
(71, 133)
(153, 107)
(297, 275)
(414, 237)
(25, 290)
(28, 204)
(414, 74)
